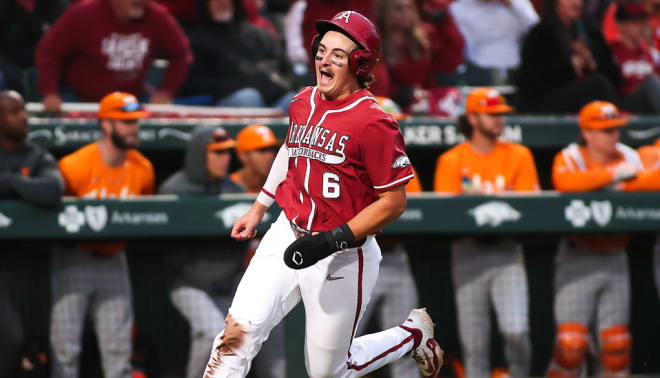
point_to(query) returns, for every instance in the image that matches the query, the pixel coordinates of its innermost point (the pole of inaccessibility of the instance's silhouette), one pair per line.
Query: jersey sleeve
(384, 155)
(527, 179)
(447, 174)
(567, 178)
(650, 156)
(71, 175)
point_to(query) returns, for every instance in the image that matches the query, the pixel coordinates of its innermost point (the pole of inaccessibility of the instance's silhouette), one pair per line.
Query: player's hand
(244, 227)
(52, 103)
(309, 249)
(623, 172)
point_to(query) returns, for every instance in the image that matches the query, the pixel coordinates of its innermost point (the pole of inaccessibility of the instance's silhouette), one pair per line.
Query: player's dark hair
(365, 82)
(464, 126)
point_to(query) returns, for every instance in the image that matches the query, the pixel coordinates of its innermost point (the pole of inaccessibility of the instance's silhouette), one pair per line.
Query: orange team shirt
(414, 185)
(87, 176)
(236, 178)
(508, 167)
(650, 155)
(568, 178)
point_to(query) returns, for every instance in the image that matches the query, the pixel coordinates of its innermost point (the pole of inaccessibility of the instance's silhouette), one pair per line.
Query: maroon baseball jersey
(635, 65)
(342, 153)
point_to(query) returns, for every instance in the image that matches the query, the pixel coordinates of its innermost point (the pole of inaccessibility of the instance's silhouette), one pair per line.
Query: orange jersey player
(591, 273)
(95, 276)
(489, 270)
(256, 147)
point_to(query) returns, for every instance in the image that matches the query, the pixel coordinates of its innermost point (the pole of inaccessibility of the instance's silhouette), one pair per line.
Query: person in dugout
(592, 283)
(489, 269)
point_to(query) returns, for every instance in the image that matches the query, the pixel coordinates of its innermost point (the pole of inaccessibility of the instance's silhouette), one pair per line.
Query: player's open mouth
(325, 75)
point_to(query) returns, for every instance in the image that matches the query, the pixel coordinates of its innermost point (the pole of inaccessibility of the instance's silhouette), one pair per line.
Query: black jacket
(30, 174)
(210, 265)
(235, 55)
(20, 32)
(546, 63)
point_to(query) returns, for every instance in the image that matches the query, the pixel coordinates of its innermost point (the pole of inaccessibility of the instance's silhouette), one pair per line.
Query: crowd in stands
(558, 54)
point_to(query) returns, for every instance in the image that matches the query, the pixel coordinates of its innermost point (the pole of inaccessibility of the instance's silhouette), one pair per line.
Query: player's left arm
(389, 206)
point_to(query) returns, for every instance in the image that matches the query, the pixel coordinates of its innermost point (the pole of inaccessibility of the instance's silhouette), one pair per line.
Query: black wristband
(343, 237)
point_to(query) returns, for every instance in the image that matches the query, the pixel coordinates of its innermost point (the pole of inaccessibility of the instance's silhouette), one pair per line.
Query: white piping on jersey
(311, 212)
(312, 107)
(348, 107)
(631, 156)
(572, 153)
(395, 181)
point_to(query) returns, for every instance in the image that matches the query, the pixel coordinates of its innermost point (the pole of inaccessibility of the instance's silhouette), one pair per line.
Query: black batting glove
(309, 249)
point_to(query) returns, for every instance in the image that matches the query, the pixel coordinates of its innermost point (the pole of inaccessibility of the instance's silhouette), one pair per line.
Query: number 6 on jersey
(331, 187)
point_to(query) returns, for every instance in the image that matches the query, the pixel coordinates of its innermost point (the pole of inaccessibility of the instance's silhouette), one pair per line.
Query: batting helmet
(359, 29)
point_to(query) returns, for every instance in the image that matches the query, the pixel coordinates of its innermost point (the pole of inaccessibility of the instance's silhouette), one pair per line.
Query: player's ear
(106, 126)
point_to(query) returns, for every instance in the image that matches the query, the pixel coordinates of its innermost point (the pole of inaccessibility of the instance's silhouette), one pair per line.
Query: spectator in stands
(489, 270)
(493, 31)
(592, 283)
(94, 276)
(206, 272)
(253, 10)
(22, 24)
(414, 51)
(100, 46)
(236, 63)
(564, 63)
(299, 30)
(640, 84)
(185, 11)
(27, 172)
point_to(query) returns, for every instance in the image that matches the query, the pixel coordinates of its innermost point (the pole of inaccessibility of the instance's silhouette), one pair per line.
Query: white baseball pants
(335, 292)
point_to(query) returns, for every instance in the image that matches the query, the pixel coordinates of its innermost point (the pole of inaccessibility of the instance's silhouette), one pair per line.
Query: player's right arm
(244, 227)
(568, 178)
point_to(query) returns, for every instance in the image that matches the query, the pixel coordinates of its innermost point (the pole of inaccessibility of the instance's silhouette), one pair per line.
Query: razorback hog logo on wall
(317, 142)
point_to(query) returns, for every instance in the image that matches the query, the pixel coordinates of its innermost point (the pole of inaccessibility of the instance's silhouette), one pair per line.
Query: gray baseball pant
(589, 282)
(80, 281)
(484, 274)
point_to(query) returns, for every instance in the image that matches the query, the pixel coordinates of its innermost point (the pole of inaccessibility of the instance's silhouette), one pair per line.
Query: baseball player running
(489, 270)
(592, 284)
(339, 178)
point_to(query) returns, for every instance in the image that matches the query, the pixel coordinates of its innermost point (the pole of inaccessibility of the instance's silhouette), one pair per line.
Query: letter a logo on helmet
(345, 15)
(358, 28)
